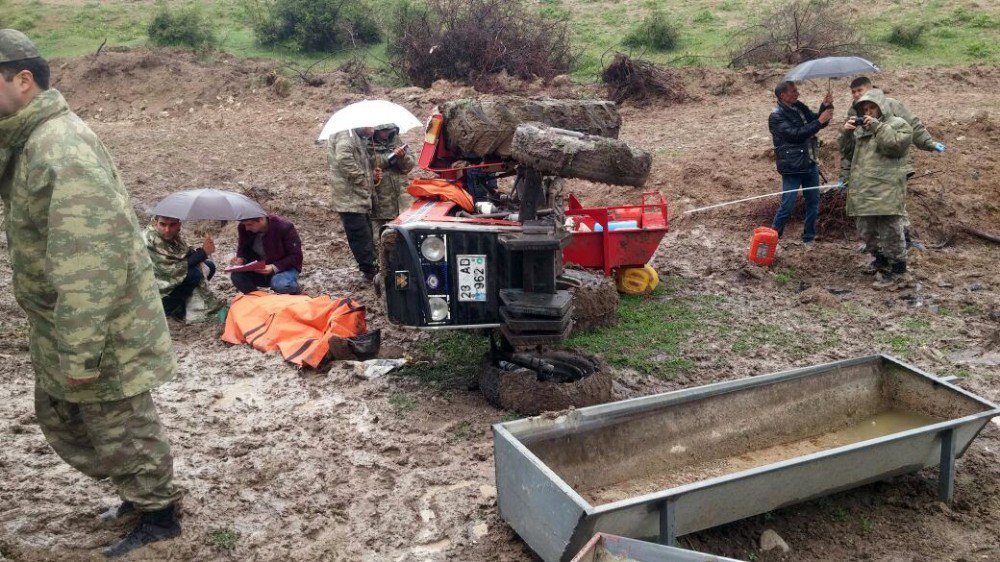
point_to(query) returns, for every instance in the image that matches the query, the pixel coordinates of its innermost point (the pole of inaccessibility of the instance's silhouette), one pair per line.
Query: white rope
(717, 205)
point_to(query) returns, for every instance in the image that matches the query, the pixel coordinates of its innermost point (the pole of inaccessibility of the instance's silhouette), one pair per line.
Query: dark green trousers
(121, 440)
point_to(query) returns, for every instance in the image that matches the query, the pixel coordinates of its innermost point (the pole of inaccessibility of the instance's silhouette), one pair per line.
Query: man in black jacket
(793, 128)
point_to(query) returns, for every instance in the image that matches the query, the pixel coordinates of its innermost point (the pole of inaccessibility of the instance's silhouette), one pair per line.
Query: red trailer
(610, 238)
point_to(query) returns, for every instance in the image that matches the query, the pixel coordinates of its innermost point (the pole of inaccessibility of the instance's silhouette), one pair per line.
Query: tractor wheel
(484, 126)
(595, 298)
(521, 391)
(569, 154)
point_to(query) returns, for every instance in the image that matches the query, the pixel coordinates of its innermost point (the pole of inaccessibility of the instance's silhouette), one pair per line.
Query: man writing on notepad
(273, 242)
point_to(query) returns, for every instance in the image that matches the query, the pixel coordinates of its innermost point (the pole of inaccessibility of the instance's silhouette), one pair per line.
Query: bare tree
(798, 31)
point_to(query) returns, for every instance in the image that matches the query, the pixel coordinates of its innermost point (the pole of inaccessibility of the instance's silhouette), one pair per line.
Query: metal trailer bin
(676, 463)
(612, 548)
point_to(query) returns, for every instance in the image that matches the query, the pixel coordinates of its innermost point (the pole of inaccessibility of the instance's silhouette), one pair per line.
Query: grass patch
(650, 332)
(460, 432)
(511, 416)
(898, 345)
(223, 539)
(447, 359)
(961, 35)
(918, 332)
(402, 403)
(762, 335)
(784, 276)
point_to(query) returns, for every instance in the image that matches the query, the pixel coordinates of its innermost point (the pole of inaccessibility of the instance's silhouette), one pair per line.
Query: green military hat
(15, 46)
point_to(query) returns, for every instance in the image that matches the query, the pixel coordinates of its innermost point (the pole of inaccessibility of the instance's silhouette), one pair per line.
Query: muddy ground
(330, 466)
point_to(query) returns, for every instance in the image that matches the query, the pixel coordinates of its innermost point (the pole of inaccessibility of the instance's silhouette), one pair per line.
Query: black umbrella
(208, 204)
(830, 67)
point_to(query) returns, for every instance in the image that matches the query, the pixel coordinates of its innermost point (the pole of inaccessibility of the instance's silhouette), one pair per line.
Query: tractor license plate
(471, 277)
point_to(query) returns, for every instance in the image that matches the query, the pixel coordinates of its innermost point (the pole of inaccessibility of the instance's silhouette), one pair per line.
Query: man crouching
(177, 268)
(877, 187)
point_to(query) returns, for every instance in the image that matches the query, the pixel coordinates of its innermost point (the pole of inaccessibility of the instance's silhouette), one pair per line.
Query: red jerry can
(762, 245)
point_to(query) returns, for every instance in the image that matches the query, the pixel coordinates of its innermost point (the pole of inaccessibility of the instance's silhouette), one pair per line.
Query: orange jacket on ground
(442, 189)
(298, 326)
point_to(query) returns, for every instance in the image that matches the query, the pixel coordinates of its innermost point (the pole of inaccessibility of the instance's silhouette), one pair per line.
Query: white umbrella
(369, 113)
(208, 204)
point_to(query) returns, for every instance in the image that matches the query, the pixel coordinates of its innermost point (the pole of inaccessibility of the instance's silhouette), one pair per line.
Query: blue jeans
(284, 282)
(790, 184)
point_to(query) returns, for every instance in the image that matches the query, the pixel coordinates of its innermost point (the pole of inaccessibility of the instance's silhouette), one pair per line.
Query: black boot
(121, 512)
(174, 307)
(153, 526)
(896, 277)
(880, 263)
(369, 272)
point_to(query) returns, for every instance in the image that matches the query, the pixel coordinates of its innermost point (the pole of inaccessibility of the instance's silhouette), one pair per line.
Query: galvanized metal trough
(676, 463)
(608, 548)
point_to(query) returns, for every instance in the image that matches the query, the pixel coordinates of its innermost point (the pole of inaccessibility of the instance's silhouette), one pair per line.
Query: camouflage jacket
(170, 267)
(892, 107)
(351, 179)
(390, 196)
(81, 271)
(877, 173)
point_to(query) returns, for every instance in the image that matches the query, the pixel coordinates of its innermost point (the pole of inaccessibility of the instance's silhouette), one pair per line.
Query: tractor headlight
(439, 309)
(433, 248)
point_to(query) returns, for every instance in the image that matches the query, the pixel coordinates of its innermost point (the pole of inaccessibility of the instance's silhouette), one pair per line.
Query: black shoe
(369, 271)
(880, 263)
(153, 526)
(121, 512)
(174, 308)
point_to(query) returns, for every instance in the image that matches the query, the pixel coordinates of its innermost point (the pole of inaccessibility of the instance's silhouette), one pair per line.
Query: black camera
(858, 121)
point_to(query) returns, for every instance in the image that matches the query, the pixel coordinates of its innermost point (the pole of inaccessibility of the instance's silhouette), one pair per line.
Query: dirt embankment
(330, 466)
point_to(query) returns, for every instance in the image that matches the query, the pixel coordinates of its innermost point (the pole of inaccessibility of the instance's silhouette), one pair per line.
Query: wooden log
(559, 152)
(485, 126)
(988, 236)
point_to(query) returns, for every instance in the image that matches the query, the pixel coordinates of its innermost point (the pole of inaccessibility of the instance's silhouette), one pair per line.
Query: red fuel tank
(762, 245)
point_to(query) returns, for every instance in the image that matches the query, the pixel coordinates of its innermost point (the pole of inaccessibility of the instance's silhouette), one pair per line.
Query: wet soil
(329, 466)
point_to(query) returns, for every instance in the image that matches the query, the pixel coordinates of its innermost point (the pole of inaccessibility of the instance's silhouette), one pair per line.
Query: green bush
(705, 16)
(317, 25)
(907, 35)
(654, 32)
(472, 41)
(186, 27)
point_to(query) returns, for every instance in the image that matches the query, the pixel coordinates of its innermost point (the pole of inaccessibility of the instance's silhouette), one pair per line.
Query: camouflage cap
(15, 46)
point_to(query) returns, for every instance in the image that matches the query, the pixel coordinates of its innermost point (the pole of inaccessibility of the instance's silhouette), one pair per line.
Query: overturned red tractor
(468, 255)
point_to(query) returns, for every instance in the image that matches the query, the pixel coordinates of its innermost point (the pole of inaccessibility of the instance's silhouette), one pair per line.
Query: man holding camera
(922, 139)
(877, 176)
(793, 129)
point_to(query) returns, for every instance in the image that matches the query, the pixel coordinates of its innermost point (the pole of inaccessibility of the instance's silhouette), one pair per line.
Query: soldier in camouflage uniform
(98, 337)
(389, 155)
(922, 138)
(178, 270)
(877, 186)
(352, 183)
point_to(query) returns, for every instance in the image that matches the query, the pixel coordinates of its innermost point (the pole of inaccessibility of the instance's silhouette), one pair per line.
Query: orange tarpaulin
(298, 326)
(442, 189)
